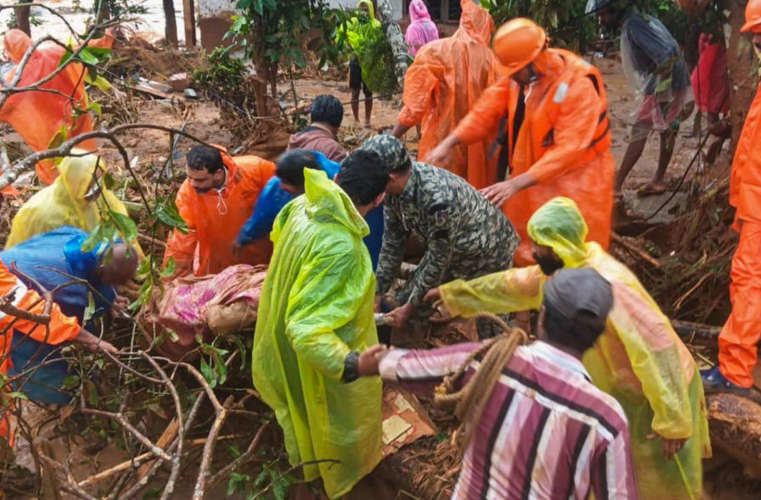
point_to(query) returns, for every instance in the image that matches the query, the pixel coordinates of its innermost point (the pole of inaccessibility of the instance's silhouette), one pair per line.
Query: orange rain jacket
(442, 85)
(563, 142)
(60, 329)
(215, 218)
(50, 111)
(738, 341)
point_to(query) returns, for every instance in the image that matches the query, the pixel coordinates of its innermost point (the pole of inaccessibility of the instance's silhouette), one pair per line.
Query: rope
(470, 401)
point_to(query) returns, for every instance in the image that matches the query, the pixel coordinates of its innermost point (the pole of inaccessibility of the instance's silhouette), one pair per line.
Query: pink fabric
(709, 78)
(421, 29)
(183, 306)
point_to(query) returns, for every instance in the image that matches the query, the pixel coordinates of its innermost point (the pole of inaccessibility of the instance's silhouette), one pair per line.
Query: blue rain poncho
(316, 307)
(36, 257)
(273, 198)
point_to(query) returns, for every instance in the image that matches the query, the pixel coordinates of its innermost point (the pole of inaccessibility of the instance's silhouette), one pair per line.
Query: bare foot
(651, 188)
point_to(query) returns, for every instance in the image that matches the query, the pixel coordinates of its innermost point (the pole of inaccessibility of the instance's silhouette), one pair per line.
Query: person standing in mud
(738, 341)
(655, 69)
(464, 235)
(315, 317)
(365, 14)
(555, 132)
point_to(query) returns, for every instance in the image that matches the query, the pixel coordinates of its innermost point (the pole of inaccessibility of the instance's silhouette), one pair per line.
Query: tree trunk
(170, 26)
(741, 66)
(22, 18)
(261, 64)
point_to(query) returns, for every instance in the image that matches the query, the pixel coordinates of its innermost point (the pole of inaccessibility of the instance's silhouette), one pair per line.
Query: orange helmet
(752, 17)
(518, 42)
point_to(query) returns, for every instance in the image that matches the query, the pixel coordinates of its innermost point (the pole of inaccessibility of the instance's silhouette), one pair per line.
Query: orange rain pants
(739, 338)
(38, 116)
(442, 85)
(215, 218)
(563, 142)
(60, 329)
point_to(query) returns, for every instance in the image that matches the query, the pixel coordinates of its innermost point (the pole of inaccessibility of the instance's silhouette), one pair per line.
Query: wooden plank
(189, 15)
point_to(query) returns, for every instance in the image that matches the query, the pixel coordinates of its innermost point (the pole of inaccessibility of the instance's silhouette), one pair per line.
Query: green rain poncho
(315, 308)
(639, 359)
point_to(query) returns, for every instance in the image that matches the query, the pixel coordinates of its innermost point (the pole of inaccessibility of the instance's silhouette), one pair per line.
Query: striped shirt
(546, 431)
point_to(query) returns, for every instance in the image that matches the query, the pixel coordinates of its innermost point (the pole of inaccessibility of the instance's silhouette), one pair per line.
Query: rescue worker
(51, 111)
(464, 235)
(326, 116)
(315, 317)
(639, 359)
(442, 85)
(365, 15)
(60, 329)
(50, 260)
(215, 201)
(738, 350)
(76, 198)
(656, 71)
(287, 184)
(556, 132)
(421, 29)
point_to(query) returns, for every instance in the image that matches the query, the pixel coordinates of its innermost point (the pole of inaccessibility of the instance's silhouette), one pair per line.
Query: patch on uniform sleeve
(440, 214)
(560, 93)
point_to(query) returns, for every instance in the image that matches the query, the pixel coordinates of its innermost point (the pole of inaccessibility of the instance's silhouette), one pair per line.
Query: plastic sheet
(316, 307)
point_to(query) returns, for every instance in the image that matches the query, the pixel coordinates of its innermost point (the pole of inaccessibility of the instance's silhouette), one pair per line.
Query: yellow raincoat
(639, 359)
(63, 203)
(315, 308)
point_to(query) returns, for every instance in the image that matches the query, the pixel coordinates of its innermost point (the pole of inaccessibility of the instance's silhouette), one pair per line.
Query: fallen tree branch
(635, 250)
(241, 460)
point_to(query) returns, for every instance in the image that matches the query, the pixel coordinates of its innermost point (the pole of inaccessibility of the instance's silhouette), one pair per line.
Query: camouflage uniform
(395, 39)
(465, 235)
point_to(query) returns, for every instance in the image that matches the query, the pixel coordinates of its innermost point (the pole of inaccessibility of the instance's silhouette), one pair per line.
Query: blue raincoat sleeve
(272, 199)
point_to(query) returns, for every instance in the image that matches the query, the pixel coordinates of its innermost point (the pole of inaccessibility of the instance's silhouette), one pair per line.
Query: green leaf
(87, 57)
(94, 106)
(17, 395)
(208, 373)
(168, 214)
(125, 225)
(90, 309)
(93, 239)
(66, 56)
(169, 269)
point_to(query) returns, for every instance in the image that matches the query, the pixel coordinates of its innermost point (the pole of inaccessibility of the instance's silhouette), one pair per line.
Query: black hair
(363, 176)
(291, 164)
(327, 109)
(579, 334)
(205, 158)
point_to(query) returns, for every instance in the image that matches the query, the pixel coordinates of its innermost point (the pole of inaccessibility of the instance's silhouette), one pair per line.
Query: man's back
(546, 431)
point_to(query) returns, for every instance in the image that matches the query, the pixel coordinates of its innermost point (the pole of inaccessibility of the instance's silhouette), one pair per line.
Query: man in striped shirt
(545, 430)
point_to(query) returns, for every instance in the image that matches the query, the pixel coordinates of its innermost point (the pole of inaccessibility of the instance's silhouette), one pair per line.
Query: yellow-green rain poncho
(63, 203)
(315, 308)
(639, 359)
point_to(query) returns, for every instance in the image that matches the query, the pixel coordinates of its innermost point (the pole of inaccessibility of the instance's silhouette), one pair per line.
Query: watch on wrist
(351, 367)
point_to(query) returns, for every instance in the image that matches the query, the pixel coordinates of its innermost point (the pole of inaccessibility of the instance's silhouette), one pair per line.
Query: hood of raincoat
(326, 202)
(476, 22)
(418, 12)
(559, 224)
(16, 44)
(370, 11)
(76, 173)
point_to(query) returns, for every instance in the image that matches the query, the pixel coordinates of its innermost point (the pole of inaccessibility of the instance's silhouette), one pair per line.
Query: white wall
(396, 6)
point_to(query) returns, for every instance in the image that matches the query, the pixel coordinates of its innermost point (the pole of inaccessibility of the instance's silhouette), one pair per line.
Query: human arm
(327, 294)
(420, 87)
(613, 470)
(392, 249)
(270, 202)
(489, 109)
(517, 289)
(182, 246)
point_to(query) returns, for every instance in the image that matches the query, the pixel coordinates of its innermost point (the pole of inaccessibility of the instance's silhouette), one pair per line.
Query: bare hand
(400, 315)
(378, 300)
(93, 343)
(670, 446)
(370, 360)
(440, 154)
(500, 192)
(433, 295)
